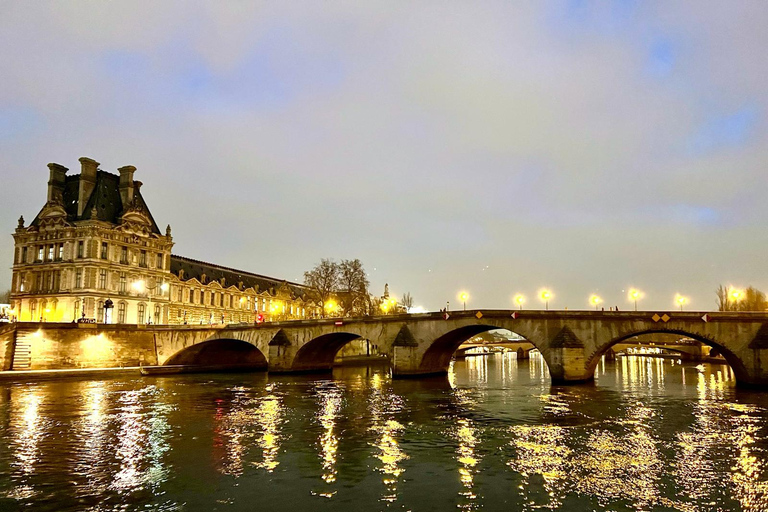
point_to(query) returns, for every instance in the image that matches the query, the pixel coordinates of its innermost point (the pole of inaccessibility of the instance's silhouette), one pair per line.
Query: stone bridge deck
(571, 342)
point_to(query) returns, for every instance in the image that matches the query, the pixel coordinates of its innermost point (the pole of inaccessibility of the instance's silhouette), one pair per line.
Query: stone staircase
(22, 355)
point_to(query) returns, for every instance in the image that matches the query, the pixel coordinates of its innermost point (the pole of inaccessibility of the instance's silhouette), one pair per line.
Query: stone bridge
(571, 342)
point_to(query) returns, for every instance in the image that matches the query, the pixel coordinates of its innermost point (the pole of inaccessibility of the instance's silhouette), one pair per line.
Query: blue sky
(496, 147)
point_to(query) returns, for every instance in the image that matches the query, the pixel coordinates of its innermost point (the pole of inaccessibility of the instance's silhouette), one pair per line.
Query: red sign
(706, 318)
(446, 316)
(514, 315)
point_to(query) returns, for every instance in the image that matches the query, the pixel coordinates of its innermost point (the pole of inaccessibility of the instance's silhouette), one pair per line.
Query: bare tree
(723, 303)
(353, 287)
(5, 297)
(407, 301)
(323, 280)
(750, 299)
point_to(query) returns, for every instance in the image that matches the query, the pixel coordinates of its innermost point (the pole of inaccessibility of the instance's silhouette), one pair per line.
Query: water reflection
(383, 407)
(466, 433)
(269, 416)
(330, 404)
(651, 434)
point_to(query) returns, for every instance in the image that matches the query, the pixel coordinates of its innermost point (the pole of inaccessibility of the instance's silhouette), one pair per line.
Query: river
(650, 434)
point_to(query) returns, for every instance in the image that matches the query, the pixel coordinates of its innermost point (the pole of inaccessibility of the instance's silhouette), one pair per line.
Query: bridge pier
(523, 354)
(567, 365)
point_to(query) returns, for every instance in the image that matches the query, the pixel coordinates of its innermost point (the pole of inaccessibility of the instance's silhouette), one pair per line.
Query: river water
(650, 434)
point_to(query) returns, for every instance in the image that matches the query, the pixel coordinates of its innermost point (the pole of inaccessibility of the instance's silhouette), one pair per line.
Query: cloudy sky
(493, 147)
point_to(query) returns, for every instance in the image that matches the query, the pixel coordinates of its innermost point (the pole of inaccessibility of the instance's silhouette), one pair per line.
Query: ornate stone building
(94, 252)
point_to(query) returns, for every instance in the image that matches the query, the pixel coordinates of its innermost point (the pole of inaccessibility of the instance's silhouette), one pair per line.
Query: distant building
(94, 252)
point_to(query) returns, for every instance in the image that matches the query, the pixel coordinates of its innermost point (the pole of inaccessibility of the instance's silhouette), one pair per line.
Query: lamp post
(463, 296)
(138, 285)
(595, 300)
(519, 299)
(545, 296)
(634, 295)
(681, 301)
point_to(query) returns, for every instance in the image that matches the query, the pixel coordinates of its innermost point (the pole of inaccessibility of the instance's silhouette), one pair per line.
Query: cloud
(563, 142)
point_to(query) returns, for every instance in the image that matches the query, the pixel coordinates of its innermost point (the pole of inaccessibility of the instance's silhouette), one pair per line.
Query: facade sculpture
(95, 253)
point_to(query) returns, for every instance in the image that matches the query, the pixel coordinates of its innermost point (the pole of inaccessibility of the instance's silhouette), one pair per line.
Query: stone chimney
(126, 185)
(88, 168)
(56, 182)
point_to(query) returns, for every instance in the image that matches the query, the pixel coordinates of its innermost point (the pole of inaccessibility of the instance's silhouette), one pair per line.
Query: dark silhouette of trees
(750, 299)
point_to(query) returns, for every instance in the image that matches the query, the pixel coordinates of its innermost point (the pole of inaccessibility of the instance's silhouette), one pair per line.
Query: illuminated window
(61, 251)
(40, 253)
(50, 253)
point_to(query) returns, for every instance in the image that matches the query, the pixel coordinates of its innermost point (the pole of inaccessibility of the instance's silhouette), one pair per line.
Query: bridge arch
(220, 352)
(437, 357)
(318, 353)
(734, 361)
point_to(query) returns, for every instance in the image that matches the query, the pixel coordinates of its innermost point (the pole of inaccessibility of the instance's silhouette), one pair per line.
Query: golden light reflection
(143, 433)
(383, 405)
(465, 434)
(93, 437)
(27, 427)
(269, 417)
(330, 404)
(627, 467)
(541, 450)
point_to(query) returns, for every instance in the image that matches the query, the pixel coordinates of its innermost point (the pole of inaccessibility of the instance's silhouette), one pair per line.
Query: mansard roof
(105, 199)
(194, 269)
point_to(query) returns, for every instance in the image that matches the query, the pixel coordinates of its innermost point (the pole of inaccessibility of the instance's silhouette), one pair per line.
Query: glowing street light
(463, 296)
(595, 300)
(635, 294)
(681, 300)
(735, 295)
(519, 299)
(545, 295)
(142, 285)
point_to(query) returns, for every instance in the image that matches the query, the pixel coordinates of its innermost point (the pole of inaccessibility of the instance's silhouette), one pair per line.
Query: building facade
(94, 253)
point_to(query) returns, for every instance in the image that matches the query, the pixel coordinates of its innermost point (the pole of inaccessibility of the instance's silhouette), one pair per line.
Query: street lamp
(545, 295)
(141, 284)
(595, 300)
(634, 295)
(463, 296)
(735, 295)
(519, 299)
(681, 300)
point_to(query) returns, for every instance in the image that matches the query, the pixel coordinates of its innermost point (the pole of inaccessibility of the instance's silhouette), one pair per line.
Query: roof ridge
(222, 267)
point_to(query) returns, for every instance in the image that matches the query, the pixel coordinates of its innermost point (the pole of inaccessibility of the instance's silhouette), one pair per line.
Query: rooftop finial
(168, 230)
(21, 222)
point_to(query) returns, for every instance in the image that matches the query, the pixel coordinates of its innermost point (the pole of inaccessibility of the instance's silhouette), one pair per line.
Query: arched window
(121, 312)
(100, 311)
(141, 310)
(158, 318)
(33, 310)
